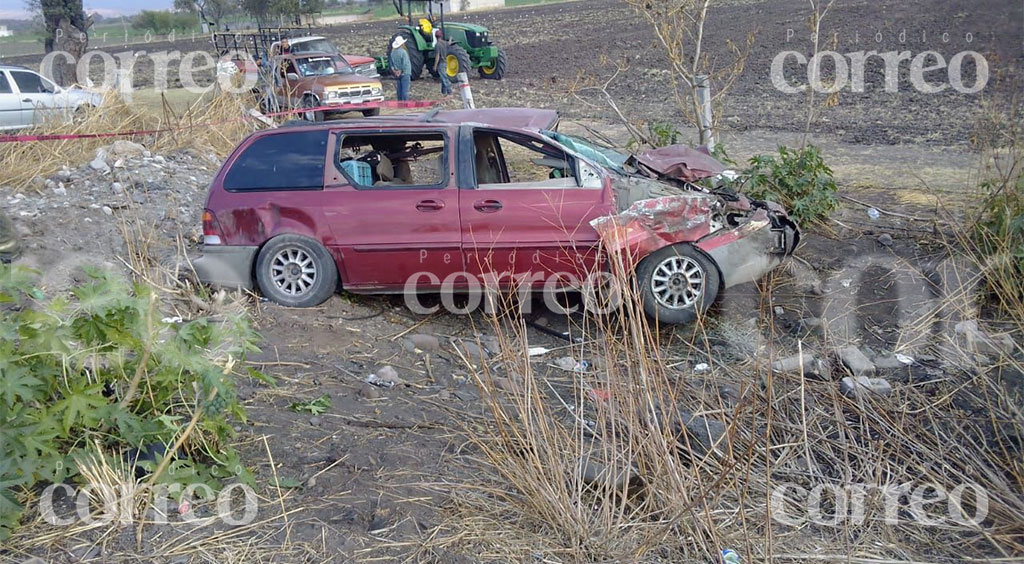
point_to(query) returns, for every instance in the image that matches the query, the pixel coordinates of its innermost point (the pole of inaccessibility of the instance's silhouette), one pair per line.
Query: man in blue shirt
(401, 67)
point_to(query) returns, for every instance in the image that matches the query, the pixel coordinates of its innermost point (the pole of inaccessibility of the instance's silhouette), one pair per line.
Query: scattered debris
(794, 364)
(854, 386)
(570, 364)
(973, 339)
(385, 377)
(856, 361)
(702, 368)
(537, 351)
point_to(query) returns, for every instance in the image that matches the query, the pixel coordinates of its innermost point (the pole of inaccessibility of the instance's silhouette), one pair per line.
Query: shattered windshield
(604, 156)
(320, 45)
(323, 66)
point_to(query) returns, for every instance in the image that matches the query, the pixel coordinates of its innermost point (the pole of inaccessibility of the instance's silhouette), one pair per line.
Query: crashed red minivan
(432, 201)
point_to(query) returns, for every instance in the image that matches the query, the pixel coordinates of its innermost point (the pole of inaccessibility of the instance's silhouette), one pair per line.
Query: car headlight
(376, 90)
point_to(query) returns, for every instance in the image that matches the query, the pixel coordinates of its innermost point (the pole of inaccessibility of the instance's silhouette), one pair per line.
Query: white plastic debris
(537, 351)
(702, 368)
(904, 358)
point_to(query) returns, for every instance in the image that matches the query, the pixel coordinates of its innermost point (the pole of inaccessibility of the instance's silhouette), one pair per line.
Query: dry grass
(215, 121)
(686, 502)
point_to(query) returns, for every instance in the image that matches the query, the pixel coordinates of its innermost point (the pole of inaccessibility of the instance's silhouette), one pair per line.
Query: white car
(27, 98)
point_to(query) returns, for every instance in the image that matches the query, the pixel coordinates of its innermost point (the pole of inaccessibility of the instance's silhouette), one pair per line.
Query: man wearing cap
(401, 66)
(440, 62)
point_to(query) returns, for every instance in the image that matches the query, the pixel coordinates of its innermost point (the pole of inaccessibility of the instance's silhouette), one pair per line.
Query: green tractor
(470, 48)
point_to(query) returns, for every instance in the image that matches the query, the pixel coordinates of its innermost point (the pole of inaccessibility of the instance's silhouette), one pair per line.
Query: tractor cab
(469, 45)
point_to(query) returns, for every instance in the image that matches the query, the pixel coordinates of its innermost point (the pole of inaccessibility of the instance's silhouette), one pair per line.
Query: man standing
(401, 66)
(441, 62)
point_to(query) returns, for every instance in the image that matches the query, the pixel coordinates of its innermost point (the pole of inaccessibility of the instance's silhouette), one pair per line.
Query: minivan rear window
(282, 161)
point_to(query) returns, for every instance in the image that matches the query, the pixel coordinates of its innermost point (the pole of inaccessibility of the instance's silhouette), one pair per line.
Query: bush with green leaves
(798, 179)
(101, 368)
(999, 234)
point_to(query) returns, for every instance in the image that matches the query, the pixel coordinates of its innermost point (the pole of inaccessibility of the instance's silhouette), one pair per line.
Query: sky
(16, 8)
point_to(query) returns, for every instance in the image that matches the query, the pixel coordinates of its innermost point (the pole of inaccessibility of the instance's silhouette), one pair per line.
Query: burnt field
(552, 46)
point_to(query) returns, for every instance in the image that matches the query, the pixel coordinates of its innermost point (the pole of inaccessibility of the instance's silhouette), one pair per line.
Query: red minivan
(452, 199)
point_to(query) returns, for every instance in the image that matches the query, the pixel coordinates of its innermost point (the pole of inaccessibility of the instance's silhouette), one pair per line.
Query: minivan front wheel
(296, 271)
(677, 283)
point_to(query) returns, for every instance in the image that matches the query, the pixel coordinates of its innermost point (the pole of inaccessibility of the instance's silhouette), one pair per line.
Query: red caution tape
(398, 104)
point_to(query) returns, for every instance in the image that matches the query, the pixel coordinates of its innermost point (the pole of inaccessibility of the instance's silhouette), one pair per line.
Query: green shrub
(999, 235)
(101, 368)
(798, 179)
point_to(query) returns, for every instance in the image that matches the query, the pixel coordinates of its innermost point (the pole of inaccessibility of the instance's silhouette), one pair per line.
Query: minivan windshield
(602, 155)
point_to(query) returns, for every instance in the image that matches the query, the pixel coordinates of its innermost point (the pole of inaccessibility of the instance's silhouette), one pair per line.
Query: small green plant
(999, 235)
(102, 369)
(313, 406)
(798, 179)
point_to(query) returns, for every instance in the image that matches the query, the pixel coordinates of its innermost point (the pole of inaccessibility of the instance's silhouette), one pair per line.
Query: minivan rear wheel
(296, 271)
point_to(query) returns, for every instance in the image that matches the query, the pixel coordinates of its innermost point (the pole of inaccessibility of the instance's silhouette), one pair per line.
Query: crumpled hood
(682, 162)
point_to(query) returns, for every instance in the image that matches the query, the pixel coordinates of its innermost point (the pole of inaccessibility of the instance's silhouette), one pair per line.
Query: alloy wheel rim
(293, 271)
(677, 282)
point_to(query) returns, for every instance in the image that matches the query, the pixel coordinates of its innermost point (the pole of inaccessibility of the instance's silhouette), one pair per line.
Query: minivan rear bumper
(226, 265)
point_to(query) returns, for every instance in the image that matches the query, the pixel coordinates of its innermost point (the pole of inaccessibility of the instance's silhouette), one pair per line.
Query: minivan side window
(281, 161)
(393, 160)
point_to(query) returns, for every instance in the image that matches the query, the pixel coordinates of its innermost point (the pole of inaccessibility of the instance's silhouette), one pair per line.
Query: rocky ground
(373, 467)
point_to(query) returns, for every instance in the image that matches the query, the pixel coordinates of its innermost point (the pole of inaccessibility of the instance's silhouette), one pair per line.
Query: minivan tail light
(211, 229)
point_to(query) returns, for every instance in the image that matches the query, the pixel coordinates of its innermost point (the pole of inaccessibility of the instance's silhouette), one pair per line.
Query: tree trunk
(72, 40)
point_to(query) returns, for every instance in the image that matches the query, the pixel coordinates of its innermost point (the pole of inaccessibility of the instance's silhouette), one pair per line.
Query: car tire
(310, 102)
(677, 283)
(415, 55)
(497, 71)
(457, 53)
(296, 271)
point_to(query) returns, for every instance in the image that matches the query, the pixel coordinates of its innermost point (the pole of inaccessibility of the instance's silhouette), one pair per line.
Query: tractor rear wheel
(457, 61)
(415, 55)
(496, 70)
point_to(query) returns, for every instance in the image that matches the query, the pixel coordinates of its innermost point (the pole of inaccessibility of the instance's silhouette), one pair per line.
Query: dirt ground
(378, 468)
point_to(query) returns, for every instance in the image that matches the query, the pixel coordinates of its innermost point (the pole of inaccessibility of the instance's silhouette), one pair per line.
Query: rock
(779, 311)
(887, 362)
(425, 343)
(60, 190)
(706, 434)
(701, 368)
(595, 468)
(125, 148)
(885, 240)
(368, 391)
(389, 375)
(794, 364)
(107, 210)
(971, 338)
(505, 384)
(856, 361)
(316, 421)
(38, 182)
(473, 352)
(99, 165)
(851, 386)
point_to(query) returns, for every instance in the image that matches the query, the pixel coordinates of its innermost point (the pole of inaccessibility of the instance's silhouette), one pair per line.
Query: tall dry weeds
(638, 461)
(215, 121)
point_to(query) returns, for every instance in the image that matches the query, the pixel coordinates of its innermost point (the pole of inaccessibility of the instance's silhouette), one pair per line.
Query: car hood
(76, 96)
(680, 162)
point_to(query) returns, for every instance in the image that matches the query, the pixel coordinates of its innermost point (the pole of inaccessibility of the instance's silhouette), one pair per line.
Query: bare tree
(212, 11)
(679, 27)
(817, 14)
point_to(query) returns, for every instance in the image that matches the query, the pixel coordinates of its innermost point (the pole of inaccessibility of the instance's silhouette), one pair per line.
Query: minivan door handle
(429, 205)
(487, 206)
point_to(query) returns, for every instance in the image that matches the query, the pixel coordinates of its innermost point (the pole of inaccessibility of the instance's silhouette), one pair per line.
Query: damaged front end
(745, 238)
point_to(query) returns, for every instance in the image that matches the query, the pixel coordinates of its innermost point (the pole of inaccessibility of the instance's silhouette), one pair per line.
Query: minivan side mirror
(291, 76)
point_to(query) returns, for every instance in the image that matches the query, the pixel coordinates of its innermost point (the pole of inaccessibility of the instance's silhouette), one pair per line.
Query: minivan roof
(512, 118)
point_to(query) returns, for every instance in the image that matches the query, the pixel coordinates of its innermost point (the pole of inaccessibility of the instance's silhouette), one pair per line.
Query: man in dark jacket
(441, 62)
